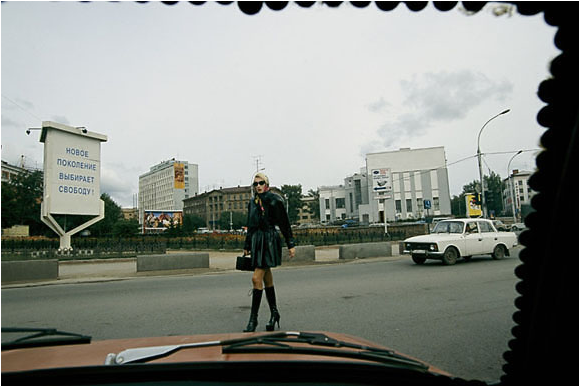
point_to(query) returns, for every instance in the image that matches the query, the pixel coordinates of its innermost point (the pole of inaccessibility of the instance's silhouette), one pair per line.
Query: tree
(493, 193)
(192, 223)
(113, 214)
(314, 205)
(239, 220)
(126, 228)
(293, 198)
(21, 198)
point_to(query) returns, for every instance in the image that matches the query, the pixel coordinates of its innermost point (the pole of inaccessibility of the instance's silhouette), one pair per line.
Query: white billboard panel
(72, 170)
(382, 180)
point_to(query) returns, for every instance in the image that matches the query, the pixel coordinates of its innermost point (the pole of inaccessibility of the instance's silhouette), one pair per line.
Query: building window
(340, 203)
(327, 203)
(435, 203)
(398, 206)
(409, 205)
(357, 192)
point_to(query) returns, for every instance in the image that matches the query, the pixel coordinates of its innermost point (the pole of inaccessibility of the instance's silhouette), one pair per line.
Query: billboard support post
(72, 172)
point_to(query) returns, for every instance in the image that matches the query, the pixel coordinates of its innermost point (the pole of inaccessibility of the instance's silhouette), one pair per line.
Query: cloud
(378, 106)
(119, 188)
(437, 97)
(446, 96)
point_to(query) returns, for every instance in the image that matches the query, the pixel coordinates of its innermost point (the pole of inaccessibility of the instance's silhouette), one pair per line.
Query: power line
(23, 109)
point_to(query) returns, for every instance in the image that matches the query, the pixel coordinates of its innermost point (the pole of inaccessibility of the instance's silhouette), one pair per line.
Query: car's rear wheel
(418, 259)
(450, 256)
(498, 252)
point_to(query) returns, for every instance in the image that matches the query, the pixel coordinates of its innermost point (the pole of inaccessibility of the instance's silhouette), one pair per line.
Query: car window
(449, 227)
(471, 228)
(485, 227)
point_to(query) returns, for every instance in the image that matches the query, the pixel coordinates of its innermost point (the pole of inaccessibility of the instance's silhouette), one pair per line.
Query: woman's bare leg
(258, 278)
(268, 278)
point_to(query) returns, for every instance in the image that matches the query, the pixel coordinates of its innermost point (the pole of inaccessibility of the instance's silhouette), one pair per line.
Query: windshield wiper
(279, 342)
(41, 337)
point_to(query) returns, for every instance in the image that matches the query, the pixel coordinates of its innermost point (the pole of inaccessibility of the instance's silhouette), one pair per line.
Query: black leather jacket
(274, 214)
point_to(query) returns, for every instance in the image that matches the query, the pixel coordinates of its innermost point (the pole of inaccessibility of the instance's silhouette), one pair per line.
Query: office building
(403, 183)
(166, 185)
(516, 185)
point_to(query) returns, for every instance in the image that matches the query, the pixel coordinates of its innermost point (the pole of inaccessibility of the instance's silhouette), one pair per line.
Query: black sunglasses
(259, 182)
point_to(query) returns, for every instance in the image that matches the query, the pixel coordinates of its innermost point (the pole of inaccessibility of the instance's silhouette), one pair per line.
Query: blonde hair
(261, 176)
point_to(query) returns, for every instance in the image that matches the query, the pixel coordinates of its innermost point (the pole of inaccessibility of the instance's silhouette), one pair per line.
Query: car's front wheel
(450, 256)
(418, 259)
(498, 252)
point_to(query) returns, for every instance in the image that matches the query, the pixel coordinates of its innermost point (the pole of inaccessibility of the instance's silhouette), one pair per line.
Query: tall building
(516, 185)
(166, 185)
(400, 182)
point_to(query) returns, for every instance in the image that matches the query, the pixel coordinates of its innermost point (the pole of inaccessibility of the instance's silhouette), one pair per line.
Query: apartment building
(516, 186)
(166, 185)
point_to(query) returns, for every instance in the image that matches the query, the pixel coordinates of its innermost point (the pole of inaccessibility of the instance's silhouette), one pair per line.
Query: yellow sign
(473, 209)
(179, 170)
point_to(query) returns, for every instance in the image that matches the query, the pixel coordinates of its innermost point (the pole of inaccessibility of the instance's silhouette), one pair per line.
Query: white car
(455, 238)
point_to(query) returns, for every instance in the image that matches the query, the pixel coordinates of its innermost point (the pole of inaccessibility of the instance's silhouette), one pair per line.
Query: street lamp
(511, 184)
(483, 206)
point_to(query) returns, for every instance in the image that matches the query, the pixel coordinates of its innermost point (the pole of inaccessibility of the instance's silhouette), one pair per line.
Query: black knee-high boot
(256, 300)
(274, 314)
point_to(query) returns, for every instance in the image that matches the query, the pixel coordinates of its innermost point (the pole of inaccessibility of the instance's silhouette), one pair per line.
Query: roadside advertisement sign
(473, 209)
(179, 175)
(382, 180)
(161, 220)
(72, 170)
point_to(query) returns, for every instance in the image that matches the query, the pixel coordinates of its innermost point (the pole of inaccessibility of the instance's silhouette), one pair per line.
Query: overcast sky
(309, 91)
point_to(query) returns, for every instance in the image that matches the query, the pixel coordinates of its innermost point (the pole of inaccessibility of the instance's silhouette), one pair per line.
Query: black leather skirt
(266, 248)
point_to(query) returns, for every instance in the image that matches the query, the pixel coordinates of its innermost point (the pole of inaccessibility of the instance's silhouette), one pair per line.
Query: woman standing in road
(265, 211)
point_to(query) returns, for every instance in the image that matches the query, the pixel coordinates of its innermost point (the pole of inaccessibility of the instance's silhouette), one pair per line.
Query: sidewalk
(102, 270)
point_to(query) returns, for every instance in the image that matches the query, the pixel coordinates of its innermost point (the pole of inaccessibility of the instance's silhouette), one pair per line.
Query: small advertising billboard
(159, 221)
(382, 180)
(179, 175)
(473, 209)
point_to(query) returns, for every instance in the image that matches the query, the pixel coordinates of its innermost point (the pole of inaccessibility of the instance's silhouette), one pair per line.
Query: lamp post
(511, 184)
(483, 206)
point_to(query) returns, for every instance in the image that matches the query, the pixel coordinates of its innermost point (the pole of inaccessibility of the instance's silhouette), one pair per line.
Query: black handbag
(244, 263)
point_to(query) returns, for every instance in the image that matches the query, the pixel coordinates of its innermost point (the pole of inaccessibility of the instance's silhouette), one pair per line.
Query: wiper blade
(279, 342)
(275, 345)
(41, 337)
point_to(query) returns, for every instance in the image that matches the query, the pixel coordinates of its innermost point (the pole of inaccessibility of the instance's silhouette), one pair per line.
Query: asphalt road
(457, 318)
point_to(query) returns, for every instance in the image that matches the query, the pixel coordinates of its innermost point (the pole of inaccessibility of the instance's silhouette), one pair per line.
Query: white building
(166, 185)
(401, 181)
(517, 184)
(332, 203)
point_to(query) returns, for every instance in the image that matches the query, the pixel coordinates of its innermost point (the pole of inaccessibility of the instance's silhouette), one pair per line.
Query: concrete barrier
(303, 253)
(365, 250)
(14, 271)
(179, 261)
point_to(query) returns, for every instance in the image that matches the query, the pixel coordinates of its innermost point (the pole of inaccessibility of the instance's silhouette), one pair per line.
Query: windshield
(162, 115)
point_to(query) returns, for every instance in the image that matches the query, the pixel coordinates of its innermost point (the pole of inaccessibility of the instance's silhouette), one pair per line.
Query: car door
(473, 239)
(489, 236)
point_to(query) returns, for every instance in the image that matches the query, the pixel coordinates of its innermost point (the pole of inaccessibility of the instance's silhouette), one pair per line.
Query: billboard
(382, 180)
(472, 208)
(179, 175)
(72, 169)
(161, 220)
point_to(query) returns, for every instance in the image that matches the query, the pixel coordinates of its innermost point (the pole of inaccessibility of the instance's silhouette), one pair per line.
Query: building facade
(166, 185)
(305, 216)
(407, 179)
(10, 171)
(516, 186)
(332, 203)
(210, 206)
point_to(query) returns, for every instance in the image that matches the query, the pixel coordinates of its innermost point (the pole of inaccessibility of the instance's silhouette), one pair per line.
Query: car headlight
(433, 247)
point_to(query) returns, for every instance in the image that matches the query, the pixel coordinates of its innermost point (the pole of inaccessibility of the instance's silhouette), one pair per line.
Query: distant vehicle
(455, 238)
(203, 230)
(518, 227)
(500, 226)
(350, 223)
